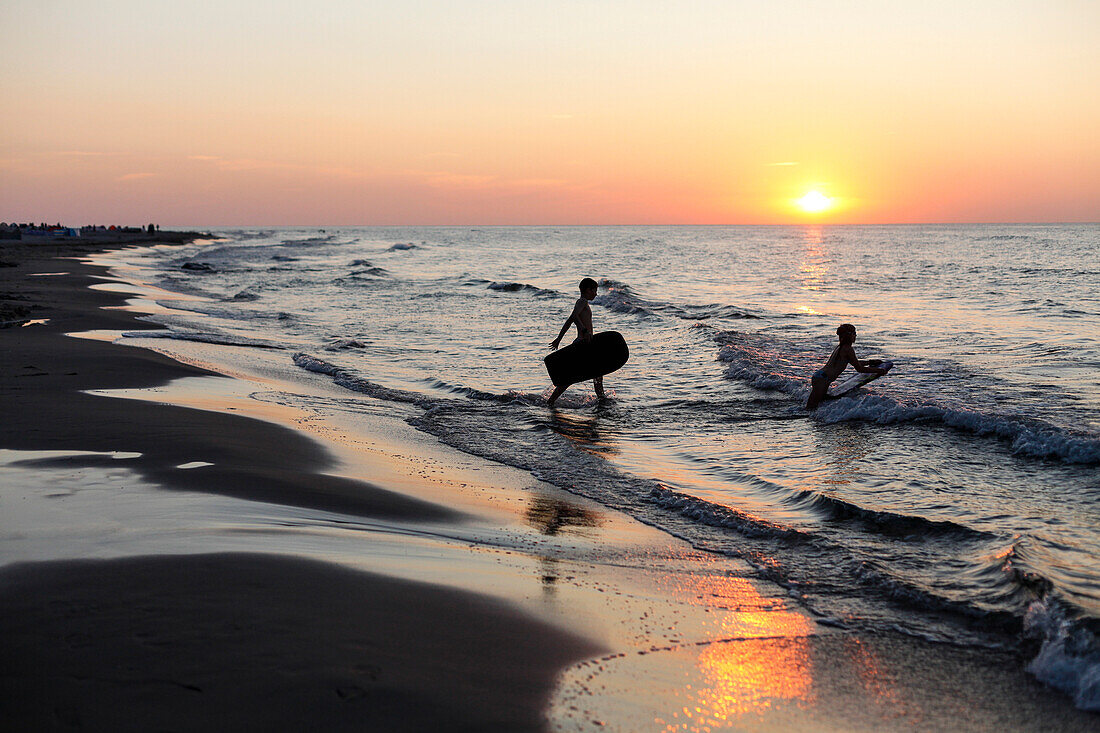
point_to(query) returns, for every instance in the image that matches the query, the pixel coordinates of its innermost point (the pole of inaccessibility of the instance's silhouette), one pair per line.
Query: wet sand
(255, 642)
(347, 572)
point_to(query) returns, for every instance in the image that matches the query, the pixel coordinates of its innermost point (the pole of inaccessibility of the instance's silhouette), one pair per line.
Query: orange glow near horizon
(248, 113)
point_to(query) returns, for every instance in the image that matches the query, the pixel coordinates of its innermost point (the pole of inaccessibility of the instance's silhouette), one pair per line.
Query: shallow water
(955, 499)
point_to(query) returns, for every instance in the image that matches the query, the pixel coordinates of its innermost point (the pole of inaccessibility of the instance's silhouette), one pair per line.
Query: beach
(185, 549)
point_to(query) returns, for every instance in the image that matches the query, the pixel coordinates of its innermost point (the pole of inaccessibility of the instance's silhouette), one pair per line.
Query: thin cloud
(252, 165)
(539, 183)
(446, 179)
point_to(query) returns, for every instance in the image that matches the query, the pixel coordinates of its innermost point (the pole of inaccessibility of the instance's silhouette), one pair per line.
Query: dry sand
(342, 571)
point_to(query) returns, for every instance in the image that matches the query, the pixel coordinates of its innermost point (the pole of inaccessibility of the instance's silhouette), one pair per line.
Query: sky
(242, 112)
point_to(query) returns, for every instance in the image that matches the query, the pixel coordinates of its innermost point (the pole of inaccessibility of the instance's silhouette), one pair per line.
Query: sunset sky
(243, 112)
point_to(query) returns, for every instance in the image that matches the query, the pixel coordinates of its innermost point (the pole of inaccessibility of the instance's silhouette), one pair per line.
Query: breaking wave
(511, 287)
(620, 298)
(764, 363)
(1026, 436)
(1069, 653)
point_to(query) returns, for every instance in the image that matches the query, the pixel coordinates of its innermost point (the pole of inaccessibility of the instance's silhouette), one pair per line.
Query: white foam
(1032, 438)
(1069, 658)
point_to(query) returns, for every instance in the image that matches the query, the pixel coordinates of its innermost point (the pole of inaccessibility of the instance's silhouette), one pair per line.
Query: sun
(814, 202)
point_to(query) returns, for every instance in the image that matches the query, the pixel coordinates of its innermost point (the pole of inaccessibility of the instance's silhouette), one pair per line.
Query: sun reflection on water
(814, 265)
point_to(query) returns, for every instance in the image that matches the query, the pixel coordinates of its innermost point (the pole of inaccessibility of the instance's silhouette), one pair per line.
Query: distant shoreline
(17, 309)
(114, 238)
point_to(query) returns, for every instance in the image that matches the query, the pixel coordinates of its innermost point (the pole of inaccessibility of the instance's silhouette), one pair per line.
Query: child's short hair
(845, 327)
(588, 283)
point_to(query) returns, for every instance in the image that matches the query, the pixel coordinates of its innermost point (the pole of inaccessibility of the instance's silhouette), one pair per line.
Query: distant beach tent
(50, 233)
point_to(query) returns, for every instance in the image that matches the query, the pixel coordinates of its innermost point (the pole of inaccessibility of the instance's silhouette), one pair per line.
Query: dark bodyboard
(606, 352)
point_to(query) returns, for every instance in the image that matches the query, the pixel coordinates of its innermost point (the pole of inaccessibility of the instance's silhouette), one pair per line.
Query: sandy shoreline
(371, 578)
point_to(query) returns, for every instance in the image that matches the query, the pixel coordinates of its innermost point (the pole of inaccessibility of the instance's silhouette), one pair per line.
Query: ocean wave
(1069, 652)
(369, 272)
(716, 515)
(984, 610)
(703, 312)
(761, 362)
(883, 522)
(222, 339)
(1010, 237)
(514, 287)
(345, 344)
(241, 234)
(1026, 436)
(767, 364)
(401, 246)
(620, 298)
(986, 604)
(307, 241)
(511, 396)
(351, 381)
(765, 380)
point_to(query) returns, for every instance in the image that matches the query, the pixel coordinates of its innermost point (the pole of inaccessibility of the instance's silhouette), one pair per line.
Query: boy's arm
(568, 323)
(862, 366)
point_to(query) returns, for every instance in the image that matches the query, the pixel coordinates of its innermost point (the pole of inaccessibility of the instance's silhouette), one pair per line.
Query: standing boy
(582, 317)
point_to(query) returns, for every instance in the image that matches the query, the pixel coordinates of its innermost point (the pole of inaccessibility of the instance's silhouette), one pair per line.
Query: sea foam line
(348, 380)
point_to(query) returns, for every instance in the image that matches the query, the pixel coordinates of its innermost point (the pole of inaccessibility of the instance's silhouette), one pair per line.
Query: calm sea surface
(956, 499)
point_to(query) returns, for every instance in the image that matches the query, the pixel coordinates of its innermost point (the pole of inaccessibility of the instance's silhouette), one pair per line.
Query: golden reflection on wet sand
(550, 515)
(759, 656)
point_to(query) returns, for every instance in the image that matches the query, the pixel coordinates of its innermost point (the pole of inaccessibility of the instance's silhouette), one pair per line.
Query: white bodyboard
(854, 382)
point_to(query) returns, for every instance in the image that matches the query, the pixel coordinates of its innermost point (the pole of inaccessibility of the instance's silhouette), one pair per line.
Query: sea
(957, 499)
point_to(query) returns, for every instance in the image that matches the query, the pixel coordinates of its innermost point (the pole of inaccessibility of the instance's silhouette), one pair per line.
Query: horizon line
(32, 222)
(791, 224)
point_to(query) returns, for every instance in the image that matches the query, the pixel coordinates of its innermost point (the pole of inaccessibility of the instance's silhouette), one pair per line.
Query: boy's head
(588, 288)
(846, 332)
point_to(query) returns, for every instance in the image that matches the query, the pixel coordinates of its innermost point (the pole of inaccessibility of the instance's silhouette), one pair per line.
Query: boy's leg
(818, 389)
(556, 394)
(598, 382)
